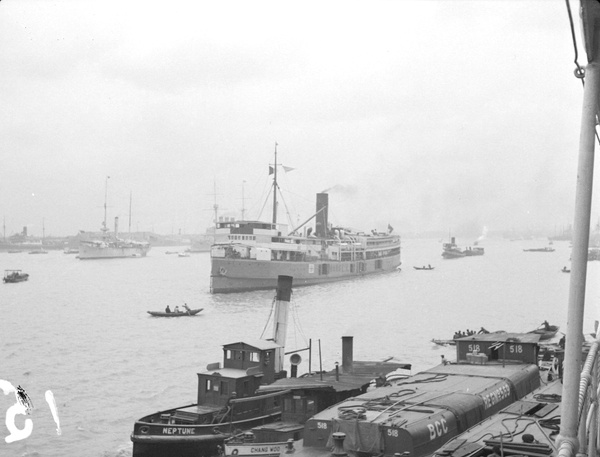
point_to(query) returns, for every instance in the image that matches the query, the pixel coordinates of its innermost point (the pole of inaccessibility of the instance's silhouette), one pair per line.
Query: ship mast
(275, 187)
(130, 214)
(215, 206)
(104, 228)
(243, 202)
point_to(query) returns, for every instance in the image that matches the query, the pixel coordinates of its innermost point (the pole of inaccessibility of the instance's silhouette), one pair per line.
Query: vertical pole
(581, 233)
(310, 355)
(320, 362)
(275, 187)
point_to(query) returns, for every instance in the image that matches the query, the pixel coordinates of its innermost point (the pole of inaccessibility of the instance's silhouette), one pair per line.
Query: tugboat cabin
(246, 366)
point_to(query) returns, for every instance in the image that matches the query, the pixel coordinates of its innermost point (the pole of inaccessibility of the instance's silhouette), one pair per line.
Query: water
(80, 328)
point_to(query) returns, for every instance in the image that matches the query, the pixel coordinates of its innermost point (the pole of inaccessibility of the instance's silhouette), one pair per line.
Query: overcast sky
(428, 115)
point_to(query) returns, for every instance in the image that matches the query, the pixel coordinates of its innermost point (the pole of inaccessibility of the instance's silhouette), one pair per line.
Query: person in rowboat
(546, 325)
(167, 309)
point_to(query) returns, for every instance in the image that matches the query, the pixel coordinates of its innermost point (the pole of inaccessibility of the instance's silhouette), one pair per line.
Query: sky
(431, 115)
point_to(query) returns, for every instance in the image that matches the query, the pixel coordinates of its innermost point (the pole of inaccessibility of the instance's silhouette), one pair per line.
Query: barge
(417, 415)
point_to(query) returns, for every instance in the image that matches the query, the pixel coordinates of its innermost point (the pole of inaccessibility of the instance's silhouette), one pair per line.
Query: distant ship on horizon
(110, 246)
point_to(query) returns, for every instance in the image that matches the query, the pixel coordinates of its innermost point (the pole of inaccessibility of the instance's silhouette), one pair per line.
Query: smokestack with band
(321, 222)
(284, 293)
(347, 354)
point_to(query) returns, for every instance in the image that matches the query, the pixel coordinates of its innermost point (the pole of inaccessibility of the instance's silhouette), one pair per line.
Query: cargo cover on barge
(419, 414)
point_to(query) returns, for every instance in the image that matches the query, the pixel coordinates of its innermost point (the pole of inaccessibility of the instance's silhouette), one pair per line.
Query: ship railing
(588, 409)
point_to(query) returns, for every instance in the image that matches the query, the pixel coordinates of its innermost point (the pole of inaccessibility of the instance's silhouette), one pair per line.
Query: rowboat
(429, 267)
(191, 312)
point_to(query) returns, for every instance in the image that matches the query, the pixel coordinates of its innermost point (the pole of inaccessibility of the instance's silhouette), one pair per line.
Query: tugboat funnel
(280, 319)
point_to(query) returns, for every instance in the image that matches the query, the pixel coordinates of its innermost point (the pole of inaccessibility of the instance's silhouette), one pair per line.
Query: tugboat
(452, 251)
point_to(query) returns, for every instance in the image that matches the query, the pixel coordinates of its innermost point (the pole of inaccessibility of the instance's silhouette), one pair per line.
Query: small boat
(70, 251)
(469, 251)
(15, 276)
(38, 251)
(14, 251)
(428, 267)
(546, 331)
(246, 447)
(460, 334)
(191, 312)
(546, 249)
(444, 342)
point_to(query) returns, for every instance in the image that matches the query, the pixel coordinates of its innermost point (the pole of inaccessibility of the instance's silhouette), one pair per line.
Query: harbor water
(80, 328)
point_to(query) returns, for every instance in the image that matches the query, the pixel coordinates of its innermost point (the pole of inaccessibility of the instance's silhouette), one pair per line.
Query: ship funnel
(280, 319)
(347, 354)
(116, 225)
(321, 222)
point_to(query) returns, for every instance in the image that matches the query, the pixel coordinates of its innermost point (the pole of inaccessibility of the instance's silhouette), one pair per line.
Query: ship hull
(240, 275)
(87, 252)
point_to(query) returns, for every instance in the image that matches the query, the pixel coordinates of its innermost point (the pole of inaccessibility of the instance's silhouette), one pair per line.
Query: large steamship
(249, 255)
